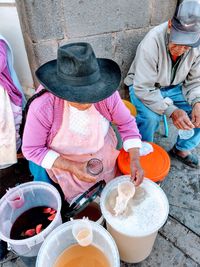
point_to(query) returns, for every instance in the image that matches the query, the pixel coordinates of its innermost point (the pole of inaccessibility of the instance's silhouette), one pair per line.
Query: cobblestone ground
(178, 242)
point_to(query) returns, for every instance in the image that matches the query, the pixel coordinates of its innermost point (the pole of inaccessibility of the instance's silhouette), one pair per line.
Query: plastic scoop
(82, 232)
(126, 191)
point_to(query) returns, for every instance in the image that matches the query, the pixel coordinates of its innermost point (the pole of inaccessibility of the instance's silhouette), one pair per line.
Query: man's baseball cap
(186, 24)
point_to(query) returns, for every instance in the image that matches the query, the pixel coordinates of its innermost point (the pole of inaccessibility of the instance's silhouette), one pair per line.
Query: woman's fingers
(79, 170)
(86, 178)
(139, 177)
(137, 173)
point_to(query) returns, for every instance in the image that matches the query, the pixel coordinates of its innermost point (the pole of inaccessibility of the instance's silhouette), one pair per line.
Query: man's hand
(76, 168)
(181, 120)
(137, 173)
(196, 115)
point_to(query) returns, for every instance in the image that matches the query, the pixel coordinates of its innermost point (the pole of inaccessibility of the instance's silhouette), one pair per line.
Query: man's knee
(150, 118)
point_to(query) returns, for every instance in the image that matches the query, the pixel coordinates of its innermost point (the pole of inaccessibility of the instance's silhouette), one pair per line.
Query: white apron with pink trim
(81, 148)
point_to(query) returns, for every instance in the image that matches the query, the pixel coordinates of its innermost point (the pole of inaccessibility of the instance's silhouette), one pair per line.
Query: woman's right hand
(80, 171)
(76, 168)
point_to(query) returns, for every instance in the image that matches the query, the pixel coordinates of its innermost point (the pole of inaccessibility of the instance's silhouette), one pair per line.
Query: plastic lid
(85, 199)
(156, 165)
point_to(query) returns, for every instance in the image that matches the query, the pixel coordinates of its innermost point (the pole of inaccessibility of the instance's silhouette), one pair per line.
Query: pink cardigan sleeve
(37, 129)
(114, 110)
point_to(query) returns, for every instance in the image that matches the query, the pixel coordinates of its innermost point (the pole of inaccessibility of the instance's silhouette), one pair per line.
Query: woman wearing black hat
(70, 124)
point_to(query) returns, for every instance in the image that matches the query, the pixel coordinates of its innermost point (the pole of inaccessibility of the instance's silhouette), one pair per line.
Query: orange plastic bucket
(156, 164)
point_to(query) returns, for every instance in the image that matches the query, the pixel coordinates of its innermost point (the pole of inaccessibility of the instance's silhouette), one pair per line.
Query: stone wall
(113, 27)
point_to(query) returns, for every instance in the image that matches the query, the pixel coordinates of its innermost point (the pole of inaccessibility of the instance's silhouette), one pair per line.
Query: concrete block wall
(11, 30)
(114, 28)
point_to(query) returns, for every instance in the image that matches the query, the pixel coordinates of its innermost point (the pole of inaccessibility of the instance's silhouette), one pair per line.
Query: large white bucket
(135, 231)
(62, 238)
(34, 194)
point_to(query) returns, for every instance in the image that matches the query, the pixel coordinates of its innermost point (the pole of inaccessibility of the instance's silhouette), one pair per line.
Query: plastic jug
(135, 231)
(20, 199)
(62, 238)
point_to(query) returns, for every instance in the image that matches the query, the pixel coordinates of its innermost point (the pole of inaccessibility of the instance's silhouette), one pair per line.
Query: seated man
(12, 99)
(164, 78)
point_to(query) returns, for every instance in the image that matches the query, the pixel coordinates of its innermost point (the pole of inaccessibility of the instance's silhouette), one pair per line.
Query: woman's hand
(76, 168)
(79, 170)
(137, 173)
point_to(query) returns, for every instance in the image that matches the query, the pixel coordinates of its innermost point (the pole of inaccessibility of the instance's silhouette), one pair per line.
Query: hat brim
(178, 37)
(107, 84)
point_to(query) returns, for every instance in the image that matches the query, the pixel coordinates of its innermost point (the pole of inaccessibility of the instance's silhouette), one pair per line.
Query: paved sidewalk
(178, 242)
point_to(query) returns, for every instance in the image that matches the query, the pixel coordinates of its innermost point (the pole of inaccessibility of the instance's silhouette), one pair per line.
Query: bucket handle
(29, 245)
(9, 248)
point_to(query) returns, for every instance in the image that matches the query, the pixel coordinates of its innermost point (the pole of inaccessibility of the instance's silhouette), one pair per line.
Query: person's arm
(37, 129)
(129, 132)
(191, 89)
(137, 173)
(145, 77)
(77, 168)
(121, 117)
(191, 85)
(3, 56)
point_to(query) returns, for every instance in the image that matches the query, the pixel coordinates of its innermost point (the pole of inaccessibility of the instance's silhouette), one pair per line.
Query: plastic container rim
(125, 178)
(44, 232)
(63, 227)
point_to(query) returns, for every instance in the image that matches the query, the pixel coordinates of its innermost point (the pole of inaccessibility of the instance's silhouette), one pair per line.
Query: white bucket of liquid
(135, 231)
(20, 199)
(62, 238)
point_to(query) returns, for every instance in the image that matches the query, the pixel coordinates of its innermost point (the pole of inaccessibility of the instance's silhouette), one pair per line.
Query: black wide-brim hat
(78, 76)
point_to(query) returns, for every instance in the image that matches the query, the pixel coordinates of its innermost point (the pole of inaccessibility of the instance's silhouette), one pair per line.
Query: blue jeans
(148, 121)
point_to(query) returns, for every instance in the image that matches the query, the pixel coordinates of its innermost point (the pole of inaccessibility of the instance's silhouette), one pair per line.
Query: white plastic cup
(15, 200)
(185, 134)
(82, 232)
(62, 238)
